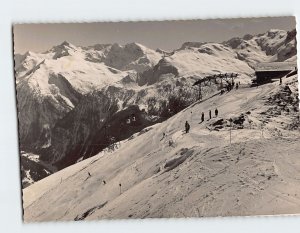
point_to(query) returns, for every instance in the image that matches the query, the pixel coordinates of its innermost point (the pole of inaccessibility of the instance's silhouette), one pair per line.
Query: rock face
(152, 76)
(37, 111)
(68, 95)
(91, 127)
(32, 169)
(216, 124)
(131, 57)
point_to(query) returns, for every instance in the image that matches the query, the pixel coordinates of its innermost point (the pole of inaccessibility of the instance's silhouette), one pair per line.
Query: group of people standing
(231, 85)
(209, 114)
(187, 125)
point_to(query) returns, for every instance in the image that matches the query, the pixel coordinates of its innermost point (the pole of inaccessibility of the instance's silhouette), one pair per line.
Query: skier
(164, 134)
(202, 117)
(237, 86)
(104, 182)
(89, 174)
(120, 185)
(209, 114)
(187, 127)
(216, 112)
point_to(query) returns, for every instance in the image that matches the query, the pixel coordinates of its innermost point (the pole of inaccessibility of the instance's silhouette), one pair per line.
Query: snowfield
(197, 174)
(213, 58)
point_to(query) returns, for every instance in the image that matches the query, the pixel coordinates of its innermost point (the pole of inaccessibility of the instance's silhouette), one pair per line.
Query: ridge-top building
(267, 71)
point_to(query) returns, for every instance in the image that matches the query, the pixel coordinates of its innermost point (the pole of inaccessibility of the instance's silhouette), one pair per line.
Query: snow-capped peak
(131, 56)
(66, 45)
(29, 53)
(64, 49)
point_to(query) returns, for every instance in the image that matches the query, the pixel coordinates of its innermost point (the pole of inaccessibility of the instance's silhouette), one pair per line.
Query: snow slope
(209, 59)
(69, 61)
(189, 175)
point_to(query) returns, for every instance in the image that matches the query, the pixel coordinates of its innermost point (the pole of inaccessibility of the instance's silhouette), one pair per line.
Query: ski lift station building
(267, 71)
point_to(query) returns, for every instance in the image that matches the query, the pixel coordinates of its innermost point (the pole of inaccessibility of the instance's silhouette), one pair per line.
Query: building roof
(275, 66)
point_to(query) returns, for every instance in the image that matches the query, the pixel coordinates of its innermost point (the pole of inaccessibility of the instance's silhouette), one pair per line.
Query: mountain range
(74, 101)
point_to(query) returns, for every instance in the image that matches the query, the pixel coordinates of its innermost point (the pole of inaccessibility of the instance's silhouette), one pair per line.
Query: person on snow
(229, 86)
(280, 81)
(187, 127)
(216, 112)
(202, 117)
(164, 134)
(209, 114)
(120, 185)
(237, 86)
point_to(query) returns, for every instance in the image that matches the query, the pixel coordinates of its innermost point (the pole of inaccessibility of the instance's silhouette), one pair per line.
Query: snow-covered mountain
(164, 172)
(68, 95)
(49, 85)
(274, 45)
(131, 56)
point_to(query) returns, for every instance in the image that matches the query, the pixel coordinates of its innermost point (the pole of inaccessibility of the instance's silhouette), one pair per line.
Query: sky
(167, 35)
